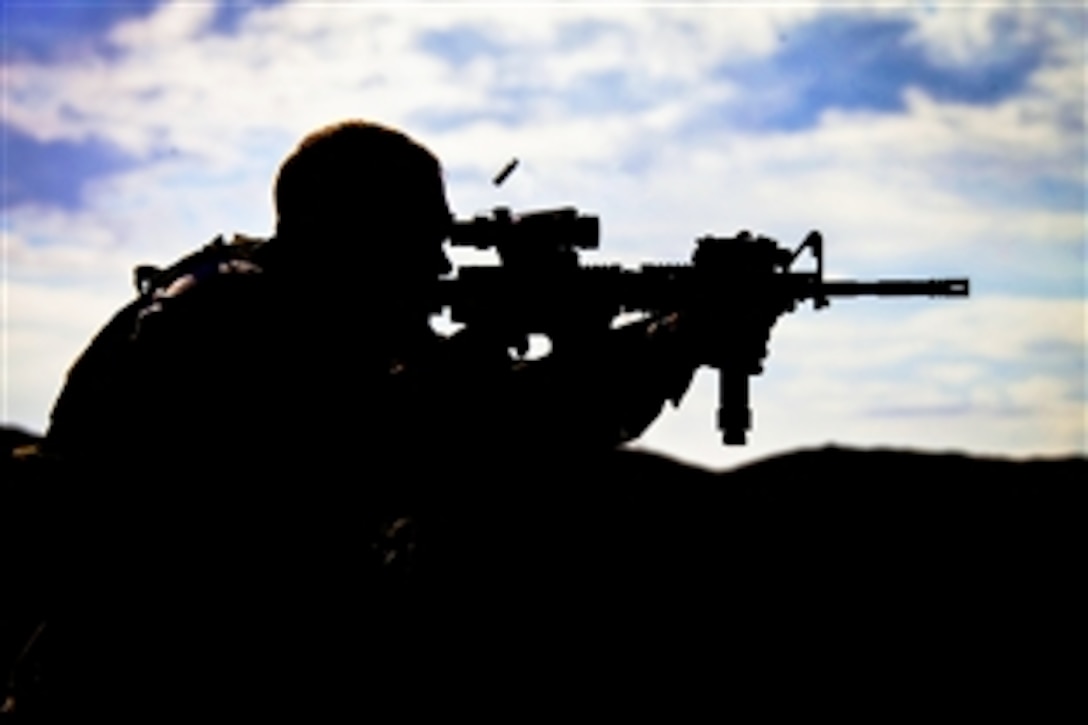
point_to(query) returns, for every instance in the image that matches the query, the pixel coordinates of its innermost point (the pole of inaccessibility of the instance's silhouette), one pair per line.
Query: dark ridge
(882, 568)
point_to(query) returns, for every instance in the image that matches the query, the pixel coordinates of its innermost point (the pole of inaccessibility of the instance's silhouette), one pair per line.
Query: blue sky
(63, 30)
(841, 61)
(922, 140)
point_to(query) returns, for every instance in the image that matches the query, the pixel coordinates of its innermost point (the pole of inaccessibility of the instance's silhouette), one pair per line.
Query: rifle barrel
(959, 287)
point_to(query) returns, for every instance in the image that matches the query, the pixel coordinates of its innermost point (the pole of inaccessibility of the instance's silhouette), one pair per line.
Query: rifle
(740, 284)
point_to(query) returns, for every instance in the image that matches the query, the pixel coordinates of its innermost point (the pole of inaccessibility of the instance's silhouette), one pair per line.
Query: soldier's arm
(595, 393)
(629, 375)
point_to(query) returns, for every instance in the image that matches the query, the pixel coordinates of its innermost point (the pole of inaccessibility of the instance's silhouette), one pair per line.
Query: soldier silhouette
(241, 348)
(273, 428)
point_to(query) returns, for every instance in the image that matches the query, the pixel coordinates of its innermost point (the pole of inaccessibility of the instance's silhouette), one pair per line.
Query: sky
(924, 139)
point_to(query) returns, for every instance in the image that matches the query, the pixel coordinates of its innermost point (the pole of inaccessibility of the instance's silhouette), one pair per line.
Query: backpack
(93, 383)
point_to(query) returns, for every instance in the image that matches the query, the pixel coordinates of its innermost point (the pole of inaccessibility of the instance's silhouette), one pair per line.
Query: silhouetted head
(359, 191)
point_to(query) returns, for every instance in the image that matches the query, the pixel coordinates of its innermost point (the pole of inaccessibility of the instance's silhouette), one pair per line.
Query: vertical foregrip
(734, 415)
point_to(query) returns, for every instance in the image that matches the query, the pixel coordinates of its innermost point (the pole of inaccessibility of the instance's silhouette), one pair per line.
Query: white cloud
(172, 22)
(45, 327)
(296, 66)
(988, 329)
(963, 35)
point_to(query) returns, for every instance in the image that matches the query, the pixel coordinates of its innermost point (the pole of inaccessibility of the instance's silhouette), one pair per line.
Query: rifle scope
(547, 228)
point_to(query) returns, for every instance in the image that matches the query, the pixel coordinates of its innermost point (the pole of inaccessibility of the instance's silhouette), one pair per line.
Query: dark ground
(905, 576)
